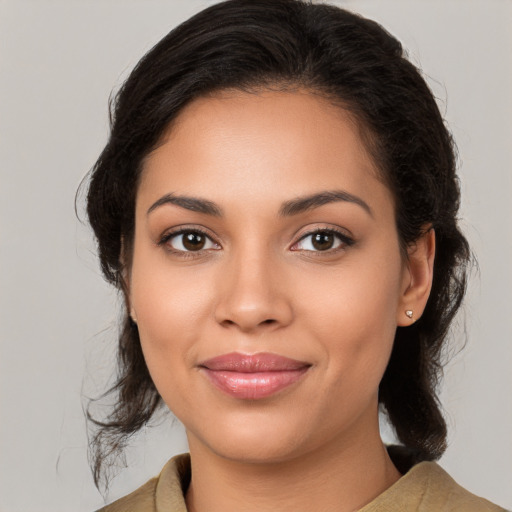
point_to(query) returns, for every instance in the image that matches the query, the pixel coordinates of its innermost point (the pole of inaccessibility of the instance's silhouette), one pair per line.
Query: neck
(338, 477)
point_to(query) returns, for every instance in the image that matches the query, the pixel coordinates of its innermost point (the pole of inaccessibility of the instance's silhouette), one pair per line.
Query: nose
(253, 296)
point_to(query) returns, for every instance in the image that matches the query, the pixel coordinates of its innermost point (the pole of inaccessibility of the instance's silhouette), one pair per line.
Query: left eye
(321, 241)
(190, 241)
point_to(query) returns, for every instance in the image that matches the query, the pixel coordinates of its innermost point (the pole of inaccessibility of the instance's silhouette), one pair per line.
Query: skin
(259, 285)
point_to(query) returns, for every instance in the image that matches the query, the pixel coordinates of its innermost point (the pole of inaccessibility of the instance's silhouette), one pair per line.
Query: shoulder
(141, 500)
(429, 488)
(163, 493)
(445, 492)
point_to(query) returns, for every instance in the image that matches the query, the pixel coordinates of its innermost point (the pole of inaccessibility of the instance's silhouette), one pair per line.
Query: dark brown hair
(250, 44)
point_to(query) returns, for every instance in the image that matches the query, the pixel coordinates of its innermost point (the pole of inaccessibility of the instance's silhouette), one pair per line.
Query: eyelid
(179, 230)
(346, 240)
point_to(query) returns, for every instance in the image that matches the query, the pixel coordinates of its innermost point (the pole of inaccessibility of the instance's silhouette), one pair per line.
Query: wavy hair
(287, 44)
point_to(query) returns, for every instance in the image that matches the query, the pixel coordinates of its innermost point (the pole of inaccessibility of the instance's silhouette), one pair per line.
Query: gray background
(59, 59)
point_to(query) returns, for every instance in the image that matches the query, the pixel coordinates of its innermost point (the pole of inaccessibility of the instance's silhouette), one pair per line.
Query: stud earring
(408, 313)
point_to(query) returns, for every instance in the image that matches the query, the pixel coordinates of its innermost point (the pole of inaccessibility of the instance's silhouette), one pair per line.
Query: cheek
(360, 294)
(172, 311)
(351, 311)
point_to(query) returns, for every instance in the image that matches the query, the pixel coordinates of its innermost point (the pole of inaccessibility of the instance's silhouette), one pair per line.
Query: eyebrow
(194, 204)
(288, 208)
(302, 204)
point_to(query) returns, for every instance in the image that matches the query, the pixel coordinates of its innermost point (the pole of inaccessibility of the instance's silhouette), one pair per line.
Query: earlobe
(125, 283)
(127, 298)
(418, 277)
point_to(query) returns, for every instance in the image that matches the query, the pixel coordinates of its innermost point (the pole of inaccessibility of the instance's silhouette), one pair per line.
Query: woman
(277, 203)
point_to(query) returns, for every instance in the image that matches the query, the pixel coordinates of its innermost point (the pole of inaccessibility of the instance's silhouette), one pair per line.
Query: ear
(417, 278)
(125, 282)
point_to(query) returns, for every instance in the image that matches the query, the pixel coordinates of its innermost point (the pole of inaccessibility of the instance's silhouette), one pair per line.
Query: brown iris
(193, 241)
(323, 240)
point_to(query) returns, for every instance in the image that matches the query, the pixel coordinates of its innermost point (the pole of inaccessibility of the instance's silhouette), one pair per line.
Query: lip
(253, 376)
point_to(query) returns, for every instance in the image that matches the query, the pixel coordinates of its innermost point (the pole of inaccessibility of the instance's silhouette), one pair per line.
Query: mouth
(253, 377)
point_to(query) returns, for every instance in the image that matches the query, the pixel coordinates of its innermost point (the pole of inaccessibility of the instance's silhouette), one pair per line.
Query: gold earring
(408, 313)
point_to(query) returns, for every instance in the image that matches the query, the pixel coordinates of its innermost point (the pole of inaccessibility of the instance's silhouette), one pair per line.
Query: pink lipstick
(252, 377)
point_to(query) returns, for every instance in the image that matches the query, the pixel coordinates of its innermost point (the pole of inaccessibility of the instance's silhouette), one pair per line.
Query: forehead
(267, 145)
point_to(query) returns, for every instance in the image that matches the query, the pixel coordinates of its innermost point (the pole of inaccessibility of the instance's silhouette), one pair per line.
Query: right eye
(189, 241)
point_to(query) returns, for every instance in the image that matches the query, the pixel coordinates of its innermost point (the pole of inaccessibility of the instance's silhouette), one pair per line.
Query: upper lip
(253, 363)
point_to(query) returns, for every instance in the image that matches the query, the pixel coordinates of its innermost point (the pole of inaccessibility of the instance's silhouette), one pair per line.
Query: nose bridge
(254, 292)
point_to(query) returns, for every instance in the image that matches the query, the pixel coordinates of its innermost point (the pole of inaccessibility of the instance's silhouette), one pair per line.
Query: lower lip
(253, 386)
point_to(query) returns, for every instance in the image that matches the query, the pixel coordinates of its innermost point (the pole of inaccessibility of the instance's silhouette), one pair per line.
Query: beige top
(424, 488)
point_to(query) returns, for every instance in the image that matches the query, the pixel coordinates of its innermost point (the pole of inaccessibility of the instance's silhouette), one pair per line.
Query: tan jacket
(424, 488)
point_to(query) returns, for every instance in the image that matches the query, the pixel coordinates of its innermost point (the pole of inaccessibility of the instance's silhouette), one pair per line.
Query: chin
(257, 452)
(252, 442)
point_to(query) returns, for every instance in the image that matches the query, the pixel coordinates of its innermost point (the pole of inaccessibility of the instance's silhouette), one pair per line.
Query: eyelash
(345, 240)
(184, 254)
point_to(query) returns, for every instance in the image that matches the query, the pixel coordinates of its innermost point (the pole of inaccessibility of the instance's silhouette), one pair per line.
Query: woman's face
(267, 280)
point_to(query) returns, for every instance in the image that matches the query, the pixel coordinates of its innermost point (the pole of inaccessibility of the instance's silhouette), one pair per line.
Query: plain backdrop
(59, 60)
